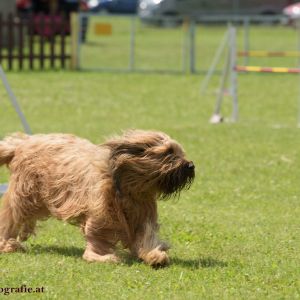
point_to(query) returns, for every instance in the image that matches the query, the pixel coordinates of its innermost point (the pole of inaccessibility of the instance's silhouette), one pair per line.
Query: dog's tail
(9, 145)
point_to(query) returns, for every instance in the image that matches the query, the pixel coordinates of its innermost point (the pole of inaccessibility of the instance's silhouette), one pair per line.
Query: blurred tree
(7, 7)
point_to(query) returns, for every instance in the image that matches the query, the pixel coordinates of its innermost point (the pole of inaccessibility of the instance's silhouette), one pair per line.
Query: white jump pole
(228, 71)
(217, 117)
(298, 27)
(233, 74)
(14, 102)
(214, 63)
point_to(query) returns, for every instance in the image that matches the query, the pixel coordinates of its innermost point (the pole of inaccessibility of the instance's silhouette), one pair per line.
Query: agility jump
(231, 70)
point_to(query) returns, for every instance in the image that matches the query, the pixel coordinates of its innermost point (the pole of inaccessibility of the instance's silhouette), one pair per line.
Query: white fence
(123, 43)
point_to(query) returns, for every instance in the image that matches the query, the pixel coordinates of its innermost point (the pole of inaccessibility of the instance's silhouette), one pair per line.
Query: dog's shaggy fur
(110, 190)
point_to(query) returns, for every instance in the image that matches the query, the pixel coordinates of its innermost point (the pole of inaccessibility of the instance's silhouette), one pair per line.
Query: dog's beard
(165, 184)
(172, 183)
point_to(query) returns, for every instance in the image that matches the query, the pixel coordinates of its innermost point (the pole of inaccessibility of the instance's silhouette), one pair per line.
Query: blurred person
(24, 6)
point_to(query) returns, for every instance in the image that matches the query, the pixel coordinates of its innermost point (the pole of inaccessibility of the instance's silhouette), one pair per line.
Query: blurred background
(134, 35)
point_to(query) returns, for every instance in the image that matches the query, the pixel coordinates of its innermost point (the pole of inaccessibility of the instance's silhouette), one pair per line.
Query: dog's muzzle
(190, 165)
(189, 169)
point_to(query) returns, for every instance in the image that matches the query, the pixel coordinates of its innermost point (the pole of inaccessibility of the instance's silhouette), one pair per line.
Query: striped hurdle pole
(257, 69)
(231, 70)
(260, 53)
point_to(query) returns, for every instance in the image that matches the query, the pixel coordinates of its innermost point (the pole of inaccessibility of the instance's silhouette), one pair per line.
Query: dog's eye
(170, 151)
(140, 151)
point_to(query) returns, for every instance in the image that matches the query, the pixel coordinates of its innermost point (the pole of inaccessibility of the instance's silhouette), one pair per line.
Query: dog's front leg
(100, 243)
(93, 254)
(149, 248)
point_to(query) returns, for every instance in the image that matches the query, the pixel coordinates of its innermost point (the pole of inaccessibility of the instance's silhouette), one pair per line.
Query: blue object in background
(113, 6)
(3, 188)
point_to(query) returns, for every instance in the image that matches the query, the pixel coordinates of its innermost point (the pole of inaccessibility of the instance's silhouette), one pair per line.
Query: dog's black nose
(191, 165)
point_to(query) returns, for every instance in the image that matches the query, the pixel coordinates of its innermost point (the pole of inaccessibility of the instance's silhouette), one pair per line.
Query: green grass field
(234, 234)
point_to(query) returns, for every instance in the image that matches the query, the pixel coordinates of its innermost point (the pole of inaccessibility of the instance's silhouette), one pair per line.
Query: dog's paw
(164, 246)
(91, 256)
(11, 245)
(157, 258)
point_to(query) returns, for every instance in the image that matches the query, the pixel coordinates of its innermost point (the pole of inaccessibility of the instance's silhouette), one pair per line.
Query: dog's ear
(117, 183)
(119, 148)
(135, 142)
(121, 154)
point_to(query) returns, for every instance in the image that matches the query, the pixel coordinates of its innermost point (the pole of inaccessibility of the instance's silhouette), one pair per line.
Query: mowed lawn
(234, 234)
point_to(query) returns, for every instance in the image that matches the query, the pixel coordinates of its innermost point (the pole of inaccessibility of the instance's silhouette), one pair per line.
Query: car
(293, 11)
(113, 6)
(152, 11)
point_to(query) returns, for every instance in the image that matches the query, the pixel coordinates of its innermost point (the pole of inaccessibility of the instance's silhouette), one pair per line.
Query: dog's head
(149, 162)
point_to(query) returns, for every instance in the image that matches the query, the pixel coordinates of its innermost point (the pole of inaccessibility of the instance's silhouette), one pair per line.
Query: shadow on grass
(192, 264)
(71, 251)
(66, 251)
(207, 262)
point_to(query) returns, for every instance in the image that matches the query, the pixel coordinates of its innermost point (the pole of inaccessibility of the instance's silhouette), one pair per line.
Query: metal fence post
(79, 38)
(132, 44)
(246, 39)
(74, 42)
(185, 27)
(192, 46)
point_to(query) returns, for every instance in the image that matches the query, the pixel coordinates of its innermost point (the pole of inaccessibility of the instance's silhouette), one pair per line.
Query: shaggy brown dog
(110, 190)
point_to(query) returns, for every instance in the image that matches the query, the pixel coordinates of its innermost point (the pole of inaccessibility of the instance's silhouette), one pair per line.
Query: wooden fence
(34, 42)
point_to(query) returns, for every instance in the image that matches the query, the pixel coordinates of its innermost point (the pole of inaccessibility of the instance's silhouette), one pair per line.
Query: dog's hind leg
(27, 229)
(10, 224)
(100, 243)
